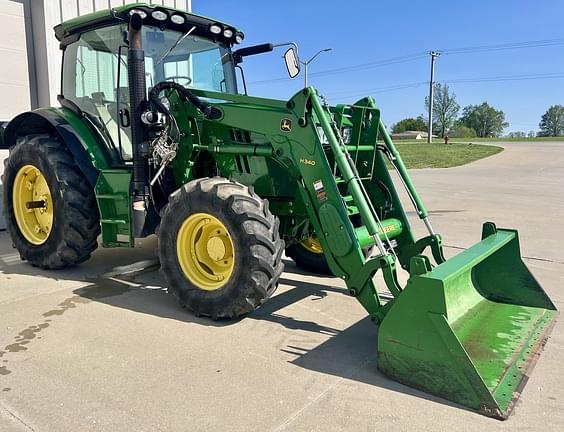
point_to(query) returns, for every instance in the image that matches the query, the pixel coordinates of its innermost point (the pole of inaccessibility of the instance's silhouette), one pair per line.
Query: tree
(532, 134)
(552, 121)
(461, 131)
(517, 134)
(484, 119)
(410, 124)
(445, 108)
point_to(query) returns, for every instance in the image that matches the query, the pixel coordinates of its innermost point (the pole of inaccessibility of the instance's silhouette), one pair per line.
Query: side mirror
(292, 62)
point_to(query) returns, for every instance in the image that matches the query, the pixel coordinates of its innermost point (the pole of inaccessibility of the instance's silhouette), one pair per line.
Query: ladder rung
(112, 196)
(360, 148)
(352, 210)
(113, 221)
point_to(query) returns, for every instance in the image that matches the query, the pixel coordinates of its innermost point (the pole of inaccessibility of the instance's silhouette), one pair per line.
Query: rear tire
(74, 225)
(250, 230)
(309, 260)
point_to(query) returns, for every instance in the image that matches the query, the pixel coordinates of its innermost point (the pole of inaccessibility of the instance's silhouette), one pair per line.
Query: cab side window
(91, 69)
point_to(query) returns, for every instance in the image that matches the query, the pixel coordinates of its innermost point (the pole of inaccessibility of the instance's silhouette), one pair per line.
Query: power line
(420, 55)
(504, 46)
(395, 60)
(549, 75)
(362, 66)
(522, 77)
(380, 89)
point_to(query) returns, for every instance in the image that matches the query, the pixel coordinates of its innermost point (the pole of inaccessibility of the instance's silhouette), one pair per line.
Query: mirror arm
(252, 50)
(293, 44)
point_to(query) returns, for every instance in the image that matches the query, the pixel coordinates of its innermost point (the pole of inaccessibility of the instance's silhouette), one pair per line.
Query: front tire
(50, 208)
(219, 248)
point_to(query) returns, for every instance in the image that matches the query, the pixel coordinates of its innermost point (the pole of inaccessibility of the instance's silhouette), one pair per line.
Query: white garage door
(14, 78)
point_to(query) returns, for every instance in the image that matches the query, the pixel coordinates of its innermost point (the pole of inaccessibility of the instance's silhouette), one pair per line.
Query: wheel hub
(33, 205)
(205, 251)
(312, 244)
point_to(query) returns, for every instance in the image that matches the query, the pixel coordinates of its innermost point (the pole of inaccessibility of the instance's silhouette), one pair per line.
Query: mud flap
(469, 330)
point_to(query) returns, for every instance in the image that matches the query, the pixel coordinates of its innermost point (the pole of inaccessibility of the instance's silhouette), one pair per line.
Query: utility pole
(434, 55)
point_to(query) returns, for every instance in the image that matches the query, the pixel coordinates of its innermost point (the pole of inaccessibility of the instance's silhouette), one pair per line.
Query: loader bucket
(471, 329)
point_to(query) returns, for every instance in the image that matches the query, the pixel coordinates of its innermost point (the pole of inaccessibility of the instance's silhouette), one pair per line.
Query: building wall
(14, 76)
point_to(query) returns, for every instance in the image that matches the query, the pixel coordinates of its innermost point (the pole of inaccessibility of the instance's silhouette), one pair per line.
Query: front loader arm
(326, 182)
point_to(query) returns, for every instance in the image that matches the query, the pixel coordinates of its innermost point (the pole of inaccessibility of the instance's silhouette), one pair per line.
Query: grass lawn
(438, 155)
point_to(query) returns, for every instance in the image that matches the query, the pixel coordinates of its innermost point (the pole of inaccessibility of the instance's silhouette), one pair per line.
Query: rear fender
(86, 147)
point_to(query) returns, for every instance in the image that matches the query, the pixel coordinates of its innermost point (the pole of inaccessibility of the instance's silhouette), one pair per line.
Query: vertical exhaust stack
(138, 103)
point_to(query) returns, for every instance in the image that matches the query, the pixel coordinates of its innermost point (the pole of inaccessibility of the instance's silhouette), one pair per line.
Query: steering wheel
(181, 77)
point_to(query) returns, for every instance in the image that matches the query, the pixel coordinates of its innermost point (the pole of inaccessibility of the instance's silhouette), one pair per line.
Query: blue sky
(370, 31)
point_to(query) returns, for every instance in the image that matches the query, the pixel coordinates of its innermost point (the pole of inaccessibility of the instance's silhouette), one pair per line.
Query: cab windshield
(191, 61)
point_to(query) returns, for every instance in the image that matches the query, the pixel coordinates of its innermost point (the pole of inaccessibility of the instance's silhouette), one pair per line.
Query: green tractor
(154, 137)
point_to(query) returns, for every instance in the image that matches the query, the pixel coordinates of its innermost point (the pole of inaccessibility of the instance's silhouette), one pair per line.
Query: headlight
(239, 37)
(215, 29)
(178, 19)
(159, 15)
(228, 33)
(139, 12)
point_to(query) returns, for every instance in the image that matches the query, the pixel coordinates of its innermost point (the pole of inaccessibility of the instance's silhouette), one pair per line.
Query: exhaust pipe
(138, 104)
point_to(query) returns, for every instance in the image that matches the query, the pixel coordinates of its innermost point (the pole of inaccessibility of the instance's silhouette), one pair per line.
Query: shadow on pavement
(349, 354)
(356, 345)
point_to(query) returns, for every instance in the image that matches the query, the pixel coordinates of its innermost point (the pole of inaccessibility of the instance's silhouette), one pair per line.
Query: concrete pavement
(102, 347)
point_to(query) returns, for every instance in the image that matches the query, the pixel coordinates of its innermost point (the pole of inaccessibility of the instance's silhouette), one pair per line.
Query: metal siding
(14, 79)
(69, 9)
(84, 6)
(101, 4)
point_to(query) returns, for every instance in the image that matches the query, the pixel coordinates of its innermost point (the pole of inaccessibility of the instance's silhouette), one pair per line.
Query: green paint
(480, 318)
(112, 194)
(90, 140)
(466, 330)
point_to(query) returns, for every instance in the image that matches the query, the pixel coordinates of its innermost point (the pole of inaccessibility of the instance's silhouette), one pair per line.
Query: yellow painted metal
(30, 187)
(205, 251)
(312, 244)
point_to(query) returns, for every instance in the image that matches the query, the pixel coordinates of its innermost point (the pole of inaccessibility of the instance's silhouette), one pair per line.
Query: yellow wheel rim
(312, 244)
(33, 205)
(205, 251)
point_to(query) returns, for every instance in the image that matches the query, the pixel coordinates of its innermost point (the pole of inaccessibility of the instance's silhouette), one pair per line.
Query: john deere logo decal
(286, 125)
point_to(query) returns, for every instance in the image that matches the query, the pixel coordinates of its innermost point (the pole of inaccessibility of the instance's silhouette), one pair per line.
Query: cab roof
(69, 31)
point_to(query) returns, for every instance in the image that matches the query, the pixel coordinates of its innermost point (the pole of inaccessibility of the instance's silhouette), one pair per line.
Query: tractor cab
(190, 50)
